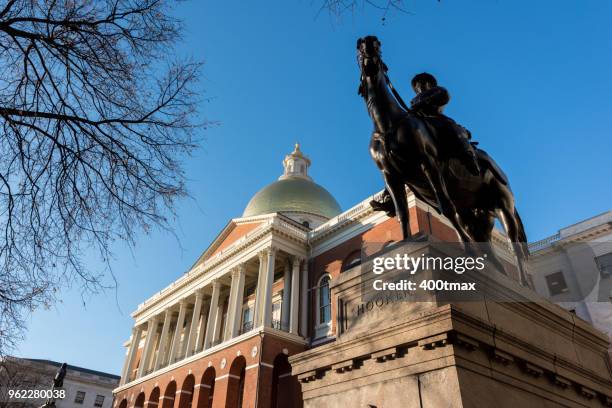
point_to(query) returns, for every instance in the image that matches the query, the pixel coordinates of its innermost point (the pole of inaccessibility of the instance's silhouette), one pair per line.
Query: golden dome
(293, 192)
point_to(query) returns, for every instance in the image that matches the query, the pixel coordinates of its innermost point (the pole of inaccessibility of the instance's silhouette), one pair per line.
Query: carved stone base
(487, 353)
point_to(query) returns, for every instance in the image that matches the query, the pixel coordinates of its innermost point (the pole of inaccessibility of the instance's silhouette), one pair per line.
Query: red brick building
(220, 335)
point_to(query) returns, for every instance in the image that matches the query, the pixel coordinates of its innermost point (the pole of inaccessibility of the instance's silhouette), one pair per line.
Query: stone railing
(346, 216)
(290, 229)
(246, 327)
(278, 325)
(544, 243)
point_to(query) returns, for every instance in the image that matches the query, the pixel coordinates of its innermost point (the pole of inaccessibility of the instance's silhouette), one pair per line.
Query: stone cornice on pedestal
(459, 340)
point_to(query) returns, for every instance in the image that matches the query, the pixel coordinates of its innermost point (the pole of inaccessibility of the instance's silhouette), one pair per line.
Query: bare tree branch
(337, 8)
(96, 116)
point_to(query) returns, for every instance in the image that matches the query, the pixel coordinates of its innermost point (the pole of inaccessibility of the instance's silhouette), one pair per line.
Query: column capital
(199, 293)
(297, 260)
(236, 272)
(262, 254)
(269, 251)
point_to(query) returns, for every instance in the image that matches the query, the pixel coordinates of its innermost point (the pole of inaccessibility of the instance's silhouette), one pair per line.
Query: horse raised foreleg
(436, 182)
(397, 190)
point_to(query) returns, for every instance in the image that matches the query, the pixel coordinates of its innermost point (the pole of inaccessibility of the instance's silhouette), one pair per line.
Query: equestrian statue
(421, 148)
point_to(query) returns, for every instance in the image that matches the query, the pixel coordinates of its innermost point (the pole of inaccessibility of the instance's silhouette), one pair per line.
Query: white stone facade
(582, 283)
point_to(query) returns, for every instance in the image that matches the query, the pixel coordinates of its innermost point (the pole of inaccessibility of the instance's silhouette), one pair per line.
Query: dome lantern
(296, 164)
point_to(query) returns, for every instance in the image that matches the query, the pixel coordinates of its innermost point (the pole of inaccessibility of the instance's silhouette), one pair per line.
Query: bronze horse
(410, 152)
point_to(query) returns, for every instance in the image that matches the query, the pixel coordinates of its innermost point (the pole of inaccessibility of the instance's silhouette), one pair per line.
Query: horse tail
(521, 234)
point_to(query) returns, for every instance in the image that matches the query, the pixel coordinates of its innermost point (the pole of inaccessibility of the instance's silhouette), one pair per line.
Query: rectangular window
(276, 315)
(604, 263)
(247, 319)
(247, 315)
(99, 401)
(556, 283)
(80, 397)
(276, 310)
(324, 301)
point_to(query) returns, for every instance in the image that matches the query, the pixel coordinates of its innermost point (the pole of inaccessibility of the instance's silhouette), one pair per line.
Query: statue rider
(429, 102)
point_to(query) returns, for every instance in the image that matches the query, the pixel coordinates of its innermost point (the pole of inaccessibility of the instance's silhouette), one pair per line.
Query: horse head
(369, 56)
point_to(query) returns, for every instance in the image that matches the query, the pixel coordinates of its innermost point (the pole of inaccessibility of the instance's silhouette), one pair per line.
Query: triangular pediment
(233, 231)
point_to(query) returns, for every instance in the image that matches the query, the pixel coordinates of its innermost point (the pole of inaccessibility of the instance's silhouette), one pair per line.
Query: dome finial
(296, 164)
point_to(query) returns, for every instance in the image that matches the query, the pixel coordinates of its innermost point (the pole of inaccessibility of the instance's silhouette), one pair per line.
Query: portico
(212, 311)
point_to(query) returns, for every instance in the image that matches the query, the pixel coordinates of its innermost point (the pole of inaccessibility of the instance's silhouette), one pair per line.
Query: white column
(230, 305)
(210, 324)
(129, 361)
(199, 343)
(154, 341)
(304, 300)
(197, 308)
(233, 324)
(218, 331)
(267, 299)
(185, 336)
(144, 359)
(295, 296)
(285, 305)
(177, 332)
(259, 290)
(163, 341)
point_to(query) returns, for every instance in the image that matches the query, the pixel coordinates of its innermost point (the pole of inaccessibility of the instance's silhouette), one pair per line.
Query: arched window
(323, 306)
(207, 389)
(235, 384)
(169, 395)
(353, 259)
(154, 398)
(140, 400)
(185, 395)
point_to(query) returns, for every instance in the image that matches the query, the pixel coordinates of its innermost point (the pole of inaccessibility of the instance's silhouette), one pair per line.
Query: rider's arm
(436, 96)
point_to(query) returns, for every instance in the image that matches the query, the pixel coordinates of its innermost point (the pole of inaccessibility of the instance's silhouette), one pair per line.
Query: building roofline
(74, 368)
(571, 230)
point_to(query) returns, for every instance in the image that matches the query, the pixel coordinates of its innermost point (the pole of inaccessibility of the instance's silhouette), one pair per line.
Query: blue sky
(529, 79)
